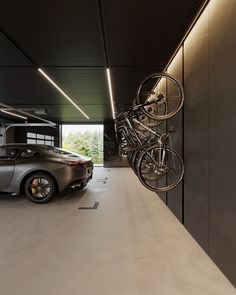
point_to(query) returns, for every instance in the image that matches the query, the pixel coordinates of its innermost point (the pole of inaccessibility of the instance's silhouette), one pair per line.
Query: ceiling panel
(26, 86)
(126, 82)
(145, 32)
(74, 40)
(55, 33)
(66, 113)
(10, 55)
(86, 86)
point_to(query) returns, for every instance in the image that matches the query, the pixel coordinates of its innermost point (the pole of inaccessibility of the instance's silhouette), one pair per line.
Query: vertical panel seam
(183, 187)
(103, 32)
(208, 135)
(166, 127)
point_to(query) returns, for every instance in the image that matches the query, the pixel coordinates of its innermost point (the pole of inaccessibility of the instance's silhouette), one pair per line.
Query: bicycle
(163, 94)
(148, 152)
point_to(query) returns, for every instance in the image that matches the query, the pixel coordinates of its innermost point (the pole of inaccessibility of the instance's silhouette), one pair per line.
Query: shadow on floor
(66, 197)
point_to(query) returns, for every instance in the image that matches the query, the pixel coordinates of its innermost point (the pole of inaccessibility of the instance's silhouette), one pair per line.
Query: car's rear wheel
(40, 188)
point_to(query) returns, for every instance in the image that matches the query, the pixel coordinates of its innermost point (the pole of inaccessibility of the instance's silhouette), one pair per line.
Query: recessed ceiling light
(62, 92)
(15, 115)
(111, 93)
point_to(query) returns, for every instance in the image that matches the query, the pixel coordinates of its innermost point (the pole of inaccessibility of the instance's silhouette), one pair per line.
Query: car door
(7, 166)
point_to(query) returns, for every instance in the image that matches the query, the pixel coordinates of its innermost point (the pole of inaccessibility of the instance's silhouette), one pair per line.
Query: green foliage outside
(89, 143)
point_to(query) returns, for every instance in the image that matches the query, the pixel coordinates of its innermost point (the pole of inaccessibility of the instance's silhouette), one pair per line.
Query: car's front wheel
(40, 188)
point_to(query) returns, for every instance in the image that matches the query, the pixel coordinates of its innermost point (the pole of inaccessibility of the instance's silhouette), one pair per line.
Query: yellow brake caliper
(34, 184)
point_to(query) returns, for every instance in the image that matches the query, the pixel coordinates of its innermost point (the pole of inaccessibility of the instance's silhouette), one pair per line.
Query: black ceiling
(74, 41)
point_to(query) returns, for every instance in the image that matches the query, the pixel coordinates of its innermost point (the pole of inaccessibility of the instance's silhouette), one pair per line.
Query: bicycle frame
(129, 117)
(130, 120)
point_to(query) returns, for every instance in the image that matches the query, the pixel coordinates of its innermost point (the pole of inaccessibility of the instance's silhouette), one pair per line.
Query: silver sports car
(41, 171)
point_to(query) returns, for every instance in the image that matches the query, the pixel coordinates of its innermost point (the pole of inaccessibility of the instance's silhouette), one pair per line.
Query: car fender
(22, 171)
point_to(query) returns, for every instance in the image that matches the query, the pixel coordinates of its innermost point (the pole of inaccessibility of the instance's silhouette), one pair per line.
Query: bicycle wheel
(129, 157)
(134, 161)
(158, 176)
(163, 94)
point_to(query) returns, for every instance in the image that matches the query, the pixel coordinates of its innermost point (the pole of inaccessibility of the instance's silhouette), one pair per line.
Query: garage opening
(86, 140)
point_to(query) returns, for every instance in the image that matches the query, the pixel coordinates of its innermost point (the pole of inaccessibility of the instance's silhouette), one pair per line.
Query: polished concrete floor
(130, 245)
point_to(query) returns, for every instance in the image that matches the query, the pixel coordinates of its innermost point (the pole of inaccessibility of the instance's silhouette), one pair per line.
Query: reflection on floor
(128, 244)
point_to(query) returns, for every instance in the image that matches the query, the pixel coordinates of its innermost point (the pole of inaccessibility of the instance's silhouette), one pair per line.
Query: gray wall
(2, 135)
(208, 122)
(196, 131)
(6, 137)
(174, 198)
(222, 135)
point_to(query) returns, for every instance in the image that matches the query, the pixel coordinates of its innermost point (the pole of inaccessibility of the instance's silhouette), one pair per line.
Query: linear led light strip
(12, 114)
(62, 92)
(111, 93)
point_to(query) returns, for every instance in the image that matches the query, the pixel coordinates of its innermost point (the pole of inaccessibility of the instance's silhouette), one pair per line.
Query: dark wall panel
(161, 129)
(222, 135)
(174, 197)
(196, 132)
(10, 135)
(111, 155)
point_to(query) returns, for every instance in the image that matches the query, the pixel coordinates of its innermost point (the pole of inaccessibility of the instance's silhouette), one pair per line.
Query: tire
(129, 157)
(135, 159)
(160, 178)
(40, 188)
(166, 93)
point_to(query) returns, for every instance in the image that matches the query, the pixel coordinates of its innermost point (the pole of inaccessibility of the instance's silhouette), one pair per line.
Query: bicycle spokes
(152, 173)
(161, 96)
